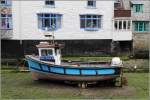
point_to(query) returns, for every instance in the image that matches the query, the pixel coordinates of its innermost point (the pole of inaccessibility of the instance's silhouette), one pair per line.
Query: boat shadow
(67, 84)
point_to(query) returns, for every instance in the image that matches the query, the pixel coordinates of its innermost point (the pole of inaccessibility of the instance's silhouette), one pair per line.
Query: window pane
(43, 52)
(3, 15)
(146, 26)
(138, 8)
(58, 22)
(90, 22)
(140, 26)
(4, 23)
(129, 24)
(116, 24)
(82, 23)
(49, 21)
(53, 23)
(46, 15)
(88, 16)
(94, 22)
(124, 24)
(49, 2)
(3, 2)
(120, 24)
(91, 3)
(82, 16)
(49, 52)
(39, 22)
(9, 2)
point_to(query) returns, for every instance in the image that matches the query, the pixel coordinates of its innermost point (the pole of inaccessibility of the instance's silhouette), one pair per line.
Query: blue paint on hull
(76, 71)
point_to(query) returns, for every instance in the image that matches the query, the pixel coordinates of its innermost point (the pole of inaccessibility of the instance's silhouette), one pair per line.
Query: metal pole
(53, 35)
(53, 27)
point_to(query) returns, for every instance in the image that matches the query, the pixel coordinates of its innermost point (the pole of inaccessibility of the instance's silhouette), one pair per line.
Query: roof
(48, 45)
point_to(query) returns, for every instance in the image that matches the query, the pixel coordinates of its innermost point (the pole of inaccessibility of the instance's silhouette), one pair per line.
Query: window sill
(6, 29)
(49, 6)
(90, 7)
(122, 29)
(140, 32)
(49, 30)
(91, 29)
(5, 5)
(137, 12)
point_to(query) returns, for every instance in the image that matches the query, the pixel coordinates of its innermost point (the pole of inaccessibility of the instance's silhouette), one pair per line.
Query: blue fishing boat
(48, 65)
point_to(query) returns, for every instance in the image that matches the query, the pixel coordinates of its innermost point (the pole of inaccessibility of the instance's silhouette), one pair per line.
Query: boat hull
(43, 70)
(39, 75)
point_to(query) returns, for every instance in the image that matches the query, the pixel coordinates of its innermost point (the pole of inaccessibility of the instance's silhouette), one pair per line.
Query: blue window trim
(140, 26)
(7, 3)
(85, 19)
(49, 5)
(51, 17)
(8, 21)
(91, 6)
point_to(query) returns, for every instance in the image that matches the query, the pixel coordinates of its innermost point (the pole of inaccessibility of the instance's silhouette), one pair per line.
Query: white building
(73, 19)
(82, 23)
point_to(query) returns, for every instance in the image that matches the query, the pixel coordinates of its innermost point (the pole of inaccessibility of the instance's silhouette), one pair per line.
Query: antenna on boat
(53, 28)
(47, 34)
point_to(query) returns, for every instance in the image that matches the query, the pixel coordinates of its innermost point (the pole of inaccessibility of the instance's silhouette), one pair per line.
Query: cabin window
(50, 3)
(5, 21)
(46, 52)
(137, 8)
(49, 22)
(140, 26)
(5, 2)
(90, 22)
(91, 3)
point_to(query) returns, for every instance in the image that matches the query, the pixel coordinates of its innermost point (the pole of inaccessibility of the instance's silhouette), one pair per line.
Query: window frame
(46, 52)
(50, 5)
(84, 18)
(140, 26)
(57, 18)
(7, 3)
(138, 8)
(8, 21)
(120, 24)
(91, 6)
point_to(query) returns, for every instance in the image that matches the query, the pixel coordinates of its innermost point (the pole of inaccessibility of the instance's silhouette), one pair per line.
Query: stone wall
(141, 44)
(13, 48)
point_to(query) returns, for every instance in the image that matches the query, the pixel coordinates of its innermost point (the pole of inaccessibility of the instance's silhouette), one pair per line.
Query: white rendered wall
(122, 35)
(25, 20)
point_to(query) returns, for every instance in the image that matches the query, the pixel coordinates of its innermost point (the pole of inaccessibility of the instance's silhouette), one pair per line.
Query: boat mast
(47, 34)
(53, 28)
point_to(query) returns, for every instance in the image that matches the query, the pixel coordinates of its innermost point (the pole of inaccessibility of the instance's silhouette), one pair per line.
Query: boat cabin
(50, 52)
